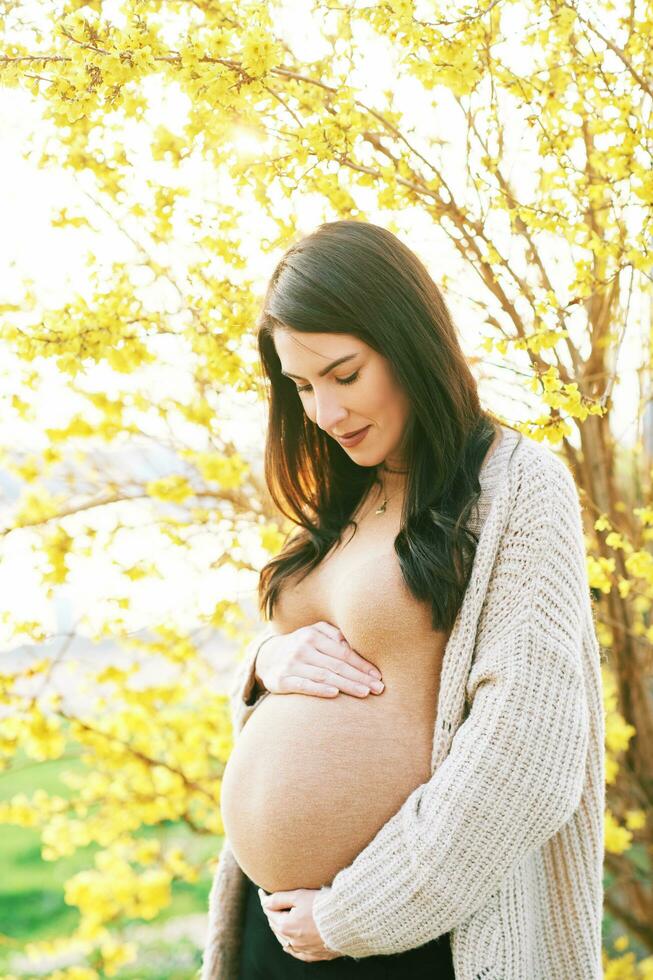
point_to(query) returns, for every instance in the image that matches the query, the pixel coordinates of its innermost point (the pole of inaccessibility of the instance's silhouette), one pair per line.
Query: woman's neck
(391, 477)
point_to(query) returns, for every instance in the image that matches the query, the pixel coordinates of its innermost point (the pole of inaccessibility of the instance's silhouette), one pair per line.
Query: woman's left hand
(290, 915)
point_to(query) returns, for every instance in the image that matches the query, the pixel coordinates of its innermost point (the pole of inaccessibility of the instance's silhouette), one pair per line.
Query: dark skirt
(262, 957)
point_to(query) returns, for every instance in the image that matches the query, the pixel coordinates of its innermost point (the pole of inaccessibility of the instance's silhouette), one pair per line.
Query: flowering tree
(198, 132)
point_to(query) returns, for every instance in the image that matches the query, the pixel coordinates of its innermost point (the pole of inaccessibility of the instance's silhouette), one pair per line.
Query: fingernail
(375, 673)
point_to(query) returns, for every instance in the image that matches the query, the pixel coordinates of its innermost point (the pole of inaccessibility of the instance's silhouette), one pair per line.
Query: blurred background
(158, 157)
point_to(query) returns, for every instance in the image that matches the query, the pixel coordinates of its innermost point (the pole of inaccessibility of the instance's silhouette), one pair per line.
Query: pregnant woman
(416, 785)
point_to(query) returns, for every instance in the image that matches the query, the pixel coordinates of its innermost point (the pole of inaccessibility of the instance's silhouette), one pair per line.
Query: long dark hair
(354, 277)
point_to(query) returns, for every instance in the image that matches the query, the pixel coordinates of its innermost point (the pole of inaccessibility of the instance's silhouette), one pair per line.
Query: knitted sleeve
(515, 770)
(226, 900)
(243, 697)
(225, 919)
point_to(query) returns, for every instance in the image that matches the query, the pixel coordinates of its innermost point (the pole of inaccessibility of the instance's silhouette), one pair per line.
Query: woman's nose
(330, 415)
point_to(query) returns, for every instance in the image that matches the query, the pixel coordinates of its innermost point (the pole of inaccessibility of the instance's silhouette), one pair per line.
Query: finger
(276, 919)
(330, 631)
(359, 663)
(293, 684)
(331, 670)
(300, 956)
(337, 646)
(280, 900)
(310, 957)
(280, 926)
(324, 676)
(278, 922)
(282, 939)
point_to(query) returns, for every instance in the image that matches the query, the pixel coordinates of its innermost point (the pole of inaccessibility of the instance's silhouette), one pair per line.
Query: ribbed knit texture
(503, 846)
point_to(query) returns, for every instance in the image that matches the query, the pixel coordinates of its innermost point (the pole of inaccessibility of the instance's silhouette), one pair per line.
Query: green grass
(32, 903)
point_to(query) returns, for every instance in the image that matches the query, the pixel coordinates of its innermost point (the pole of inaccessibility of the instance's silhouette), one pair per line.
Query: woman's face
(371, 397)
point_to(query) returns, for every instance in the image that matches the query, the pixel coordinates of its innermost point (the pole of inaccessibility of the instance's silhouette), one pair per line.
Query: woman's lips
(355, 439)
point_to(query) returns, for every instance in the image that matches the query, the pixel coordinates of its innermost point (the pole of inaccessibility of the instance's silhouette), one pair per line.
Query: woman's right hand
(315, 660)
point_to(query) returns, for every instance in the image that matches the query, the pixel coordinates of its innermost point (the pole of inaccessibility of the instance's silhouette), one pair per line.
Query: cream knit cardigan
(503, 846)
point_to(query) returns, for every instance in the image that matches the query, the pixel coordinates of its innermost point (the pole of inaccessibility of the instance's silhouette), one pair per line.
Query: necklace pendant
(381, 509)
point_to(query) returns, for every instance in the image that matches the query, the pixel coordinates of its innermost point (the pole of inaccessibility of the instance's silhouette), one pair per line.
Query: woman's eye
(341, 381)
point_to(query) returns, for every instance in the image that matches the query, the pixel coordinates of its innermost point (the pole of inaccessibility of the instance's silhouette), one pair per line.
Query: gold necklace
(381, 509)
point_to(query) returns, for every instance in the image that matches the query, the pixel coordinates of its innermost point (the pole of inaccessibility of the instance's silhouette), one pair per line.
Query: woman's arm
(516, 767)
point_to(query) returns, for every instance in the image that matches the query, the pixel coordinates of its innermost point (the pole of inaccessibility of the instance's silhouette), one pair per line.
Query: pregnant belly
(310, 781)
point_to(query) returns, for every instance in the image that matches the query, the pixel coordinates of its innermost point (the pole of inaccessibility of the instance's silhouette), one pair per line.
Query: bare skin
(316, 660)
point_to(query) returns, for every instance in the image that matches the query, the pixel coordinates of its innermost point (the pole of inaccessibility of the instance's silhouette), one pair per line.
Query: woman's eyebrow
(325, 370)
